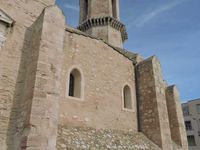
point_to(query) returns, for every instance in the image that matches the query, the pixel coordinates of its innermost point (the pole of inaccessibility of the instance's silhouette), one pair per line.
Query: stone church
(77, 89)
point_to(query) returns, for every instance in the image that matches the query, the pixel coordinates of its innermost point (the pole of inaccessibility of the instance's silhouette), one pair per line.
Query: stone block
(177, 127)
(153, 116)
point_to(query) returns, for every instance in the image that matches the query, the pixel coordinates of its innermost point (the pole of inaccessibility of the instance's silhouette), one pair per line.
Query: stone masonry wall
(99, 8)
(104, 74)
(92, 139)
(108, 34)
(153, 114)
(114, 37)
(10, 55)
(43, 119)
(176, 120)
(102, 29)
(24, 13)
(100, 32)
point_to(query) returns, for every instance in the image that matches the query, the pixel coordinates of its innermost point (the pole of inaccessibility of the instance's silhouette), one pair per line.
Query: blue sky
(169, 29)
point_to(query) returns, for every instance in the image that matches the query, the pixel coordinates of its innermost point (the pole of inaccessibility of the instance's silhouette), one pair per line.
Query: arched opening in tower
(114, 8)
(86, 9)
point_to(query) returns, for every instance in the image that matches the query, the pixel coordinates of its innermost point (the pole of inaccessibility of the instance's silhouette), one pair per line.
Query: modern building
(191, 112)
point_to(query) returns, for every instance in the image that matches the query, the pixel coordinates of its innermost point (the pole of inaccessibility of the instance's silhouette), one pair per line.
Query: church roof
(134, 57)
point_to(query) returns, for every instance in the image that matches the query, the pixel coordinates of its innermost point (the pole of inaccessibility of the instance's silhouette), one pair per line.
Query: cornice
(102, 21)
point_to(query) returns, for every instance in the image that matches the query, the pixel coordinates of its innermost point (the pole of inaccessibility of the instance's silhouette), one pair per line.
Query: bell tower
(101, 18)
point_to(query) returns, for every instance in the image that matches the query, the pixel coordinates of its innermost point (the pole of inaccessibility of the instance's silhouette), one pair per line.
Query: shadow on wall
(19, 125)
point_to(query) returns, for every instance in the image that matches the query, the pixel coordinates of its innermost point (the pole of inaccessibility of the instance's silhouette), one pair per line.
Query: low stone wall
(92, 139)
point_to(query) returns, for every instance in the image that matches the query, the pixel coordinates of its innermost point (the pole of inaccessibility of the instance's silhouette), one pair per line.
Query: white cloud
(140, 22)
(72, 7)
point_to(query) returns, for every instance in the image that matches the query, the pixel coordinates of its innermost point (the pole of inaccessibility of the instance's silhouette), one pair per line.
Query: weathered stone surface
(25, 12)
(103, 82)
(153, 120)
(89, 138)
(36, 56)
(46, 93)
(101, 19)
(134, 57)
(12, 56)
(176, 121)
(26, 126)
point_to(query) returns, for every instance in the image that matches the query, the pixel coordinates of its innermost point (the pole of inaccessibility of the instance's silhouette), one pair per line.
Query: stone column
(42, 122)
(177, 127)
(153, 116)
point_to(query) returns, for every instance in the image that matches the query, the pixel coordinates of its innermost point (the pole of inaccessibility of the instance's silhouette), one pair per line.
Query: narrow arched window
(75, 84)
(127, 97)
(85, 9)
(5, 23)
(71, 85)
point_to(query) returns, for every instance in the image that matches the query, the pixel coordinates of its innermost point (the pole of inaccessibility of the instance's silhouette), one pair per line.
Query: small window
(198, 108)
(127, 97)
(114, 8)
(2, 38)
(188, 125)
(186, 111)
(85, 9)
(75, 84)
(191, 140)
(5, 23)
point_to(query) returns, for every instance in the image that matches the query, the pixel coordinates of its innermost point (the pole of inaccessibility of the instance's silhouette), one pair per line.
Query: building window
(114, 8)
(186, 111)
(198, 108)
(191, 140)
(2, 38)
(85, 10)
(71, 85)
(5, 23)
(127, 97)
(75, 84)
(188, 125)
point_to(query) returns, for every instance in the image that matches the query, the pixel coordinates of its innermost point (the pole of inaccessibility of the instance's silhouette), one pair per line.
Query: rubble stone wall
(92, 139)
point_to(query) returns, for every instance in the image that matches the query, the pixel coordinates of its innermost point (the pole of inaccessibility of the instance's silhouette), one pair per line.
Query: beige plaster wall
(105, 72)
